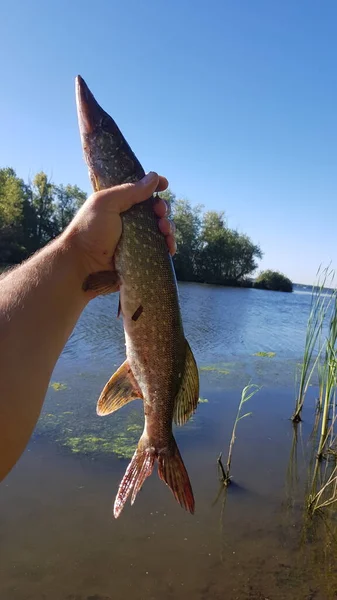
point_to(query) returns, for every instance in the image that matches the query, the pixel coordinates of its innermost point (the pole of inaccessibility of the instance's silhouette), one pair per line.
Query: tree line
(209, 251)
(33, 213)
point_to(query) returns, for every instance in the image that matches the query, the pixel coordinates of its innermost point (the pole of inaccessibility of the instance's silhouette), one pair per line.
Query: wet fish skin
(108, 155)
(160, 367)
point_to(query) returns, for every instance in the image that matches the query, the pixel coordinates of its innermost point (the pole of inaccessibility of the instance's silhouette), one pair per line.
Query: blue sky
(234, 101)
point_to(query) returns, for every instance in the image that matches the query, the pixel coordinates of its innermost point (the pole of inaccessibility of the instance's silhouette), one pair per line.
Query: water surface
(58, 539)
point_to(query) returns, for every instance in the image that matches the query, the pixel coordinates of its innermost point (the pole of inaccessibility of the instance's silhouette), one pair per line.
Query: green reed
(328, 392)
(313, 346)
(224, 472)
(324, 492)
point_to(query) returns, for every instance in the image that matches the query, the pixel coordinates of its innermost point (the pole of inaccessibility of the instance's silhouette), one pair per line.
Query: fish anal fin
(102, 282)
(187, 398)
(171, 469)
(121, 388)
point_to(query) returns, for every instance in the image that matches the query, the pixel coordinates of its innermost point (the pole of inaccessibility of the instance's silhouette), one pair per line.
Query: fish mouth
(90, 114)
(107, 153)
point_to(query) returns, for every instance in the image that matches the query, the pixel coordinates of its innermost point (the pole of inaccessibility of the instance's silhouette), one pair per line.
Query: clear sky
(234, 101)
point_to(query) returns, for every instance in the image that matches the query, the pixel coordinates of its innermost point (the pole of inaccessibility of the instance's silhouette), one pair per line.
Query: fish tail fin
(140, 467)
(171, 469)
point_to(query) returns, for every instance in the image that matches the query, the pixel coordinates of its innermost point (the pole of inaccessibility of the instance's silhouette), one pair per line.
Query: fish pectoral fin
(121, 388)
(101, 282)
(187, 398)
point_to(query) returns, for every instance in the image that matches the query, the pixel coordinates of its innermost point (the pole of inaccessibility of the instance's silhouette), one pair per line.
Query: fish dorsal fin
(187, 398)
(121, 388)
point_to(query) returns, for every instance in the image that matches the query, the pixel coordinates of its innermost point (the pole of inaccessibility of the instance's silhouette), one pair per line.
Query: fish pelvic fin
(140, 467)
(101, 283)
(121, 388)
(171, 469)
(187, 398)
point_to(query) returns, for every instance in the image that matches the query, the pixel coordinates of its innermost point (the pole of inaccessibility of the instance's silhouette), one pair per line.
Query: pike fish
(159, 368)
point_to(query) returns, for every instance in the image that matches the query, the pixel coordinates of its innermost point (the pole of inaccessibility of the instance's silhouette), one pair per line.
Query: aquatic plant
(313, 346)
(325, 494)
(57, 386)
(224, 472)
(215, 369)
(328, 401)
(265, 354)
(120, 444)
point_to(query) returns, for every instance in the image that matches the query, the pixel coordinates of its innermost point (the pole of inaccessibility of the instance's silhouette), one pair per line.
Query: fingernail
(150, 178)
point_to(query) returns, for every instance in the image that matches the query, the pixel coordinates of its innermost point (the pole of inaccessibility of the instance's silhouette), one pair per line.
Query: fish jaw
(108, 155)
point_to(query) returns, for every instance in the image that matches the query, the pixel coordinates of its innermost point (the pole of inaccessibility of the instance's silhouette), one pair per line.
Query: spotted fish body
(159, 367)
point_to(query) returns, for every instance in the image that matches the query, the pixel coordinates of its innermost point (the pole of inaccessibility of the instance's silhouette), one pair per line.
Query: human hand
(95, 231)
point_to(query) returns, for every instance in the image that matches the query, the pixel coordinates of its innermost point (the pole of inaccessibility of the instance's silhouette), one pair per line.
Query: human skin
(42, 299)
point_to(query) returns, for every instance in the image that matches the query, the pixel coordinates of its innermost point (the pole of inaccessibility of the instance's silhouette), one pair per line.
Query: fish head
(109, 157)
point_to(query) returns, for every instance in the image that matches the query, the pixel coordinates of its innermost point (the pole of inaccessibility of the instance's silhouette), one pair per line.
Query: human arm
(42, 299)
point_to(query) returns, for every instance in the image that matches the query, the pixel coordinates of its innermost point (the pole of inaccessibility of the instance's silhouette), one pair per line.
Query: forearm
(40, 303)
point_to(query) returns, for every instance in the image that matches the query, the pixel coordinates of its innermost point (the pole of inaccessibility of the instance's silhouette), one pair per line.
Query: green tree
(169, 197)
(244, 255)
(32, 215)
(225, 256)
(42, 200)
(11, 197)
(12, 203)
(187, 221)
(68, 199)
(273, 280)
(208, 250)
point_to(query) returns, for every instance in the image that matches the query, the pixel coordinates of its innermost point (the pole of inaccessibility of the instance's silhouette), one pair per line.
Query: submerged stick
(224, 477)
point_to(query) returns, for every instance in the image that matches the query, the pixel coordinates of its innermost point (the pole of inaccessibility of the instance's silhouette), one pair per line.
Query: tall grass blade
(313, 346)
(247, 393)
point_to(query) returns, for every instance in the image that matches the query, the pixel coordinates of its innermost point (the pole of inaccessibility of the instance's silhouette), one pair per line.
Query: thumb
(126, 195)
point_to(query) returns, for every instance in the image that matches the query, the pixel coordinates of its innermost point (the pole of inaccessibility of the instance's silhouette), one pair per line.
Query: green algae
(57, 386)
(216, 369)
(83, 433)
(265, 354)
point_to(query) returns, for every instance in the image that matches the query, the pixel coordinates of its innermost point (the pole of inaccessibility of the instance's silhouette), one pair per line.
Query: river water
(58, 538)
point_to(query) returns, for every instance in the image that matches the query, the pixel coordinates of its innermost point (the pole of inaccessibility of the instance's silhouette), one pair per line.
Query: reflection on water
(58, 540)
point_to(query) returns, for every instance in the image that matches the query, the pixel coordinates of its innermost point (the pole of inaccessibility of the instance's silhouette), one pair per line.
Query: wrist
(70, 266)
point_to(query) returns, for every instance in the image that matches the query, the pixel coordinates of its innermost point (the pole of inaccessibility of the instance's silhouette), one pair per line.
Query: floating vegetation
(58, 386)
(265, 354)
(224, 473)
(215, 369)
(81, 433)
(121, 444)
(202, 401)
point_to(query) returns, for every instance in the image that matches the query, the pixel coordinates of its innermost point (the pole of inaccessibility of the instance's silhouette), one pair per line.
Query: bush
(273, 280)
